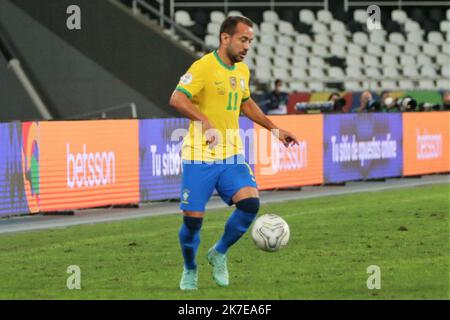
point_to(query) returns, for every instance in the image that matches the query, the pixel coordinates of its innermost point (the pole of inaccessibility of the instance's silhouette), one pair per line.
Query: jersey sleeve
(246, 95)
(193, 81)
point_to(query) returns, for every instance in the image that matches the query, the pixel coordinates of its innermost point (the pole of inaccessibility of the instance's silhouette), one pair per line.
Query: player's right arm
(191, 84)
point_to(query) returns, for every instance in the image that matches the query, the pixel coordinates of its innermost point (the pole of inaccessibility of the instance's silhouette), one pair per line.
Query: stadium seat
(406, 85)
(354, 49)
(339, 39)
(286, 28)
(443, 84)
(268, 28)
(353, 61)
(412, 26)
(299, 61)
(370, 60)
(428, 71)
(300, 73)
(298, 86)
(268, 39)
(373, 73)
(263, 74)
(444, 26)
(411, 49)
(324, 16)
(322, 39)
(392, 49)
(430, 49)
(338, 51)
(319, 50)
(397, 38)
(351, 85)
(414, 38)
(353, 72)
(390, 72)
(360, 16)
(335, 73)
(281, 62)
(217, 17)
(319, 27)
(378, 37)
(399, 16)
(265, 51)
(388, 85)
(435, 38)
(337, 27)
(235, 13)
(212, 41)
(213, 28)
(183, 18)
(442, 59)
(360, 38)
(285, 40)
(270, 16)
(407, 60)
(317, 73)
(262, 61)
(388, 60)
(411, 72)
(280, 73)
(316, 86)
(315, 61)
(446, 71)
(282, 51)
(303, 40)
(306, 16)
(423, 60)
(299, 50)
(376, 50)
(426, 84)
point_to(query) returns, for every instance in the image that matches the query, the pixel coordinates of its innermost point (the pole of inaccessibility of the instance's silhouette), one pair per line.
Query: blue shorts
(200, 179)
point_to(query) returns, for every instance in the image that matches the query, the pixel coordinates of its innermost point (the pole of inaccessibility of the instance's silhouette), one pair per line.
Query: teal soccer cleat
(189, 279)
(219, 264)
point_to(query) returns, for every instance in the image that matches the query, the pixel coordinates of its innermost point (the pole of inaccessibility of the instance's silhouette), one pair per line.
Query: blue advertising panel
(160, 158)
(362, 146)
(160, 162)
(13, 198)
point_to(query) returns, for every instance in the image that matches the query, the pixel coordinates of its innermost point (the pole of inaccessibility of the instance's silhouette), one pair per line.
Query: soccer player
(212, 94)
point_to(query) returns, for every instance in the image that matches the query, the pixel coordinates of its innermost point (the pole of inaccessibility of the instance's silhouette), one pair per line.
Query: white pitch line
(91, 216)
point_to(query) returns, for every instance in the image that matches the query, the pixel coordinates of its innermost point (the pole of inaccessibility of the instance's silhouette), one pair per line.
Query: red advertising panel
(426, 143)
(88, 163)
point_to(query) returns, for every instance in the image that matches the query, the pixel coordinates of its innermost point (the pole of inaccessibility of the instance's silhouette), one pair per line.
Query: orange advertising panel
(426, 143)
(88, 164)
(277, 166)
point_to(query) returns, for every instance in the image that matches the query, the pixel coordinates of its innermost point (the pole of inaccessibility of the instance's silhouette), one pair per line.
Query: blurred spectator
(446, 100)
(338, 102)
(368, 103)
(388, 103)
(277, 99)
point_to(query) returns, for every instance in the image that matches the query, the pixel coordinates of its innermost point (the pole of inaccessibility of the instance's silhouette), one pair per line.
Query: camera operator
(446, 100)
(368, 103)
(277, 99)
(338, 102)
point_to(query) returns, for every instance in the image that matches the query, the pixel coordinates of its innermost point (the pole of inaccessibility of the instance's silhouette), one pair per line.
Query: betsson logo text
(89, 169)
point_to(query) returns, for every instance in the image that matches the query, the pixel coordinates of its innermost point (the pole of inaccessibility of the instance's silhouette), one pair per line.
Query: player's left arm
(254, 113)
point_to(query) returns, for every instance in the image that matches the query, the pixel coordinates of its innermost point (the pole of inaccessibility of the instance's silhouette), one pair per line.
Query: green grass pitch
(333, 240)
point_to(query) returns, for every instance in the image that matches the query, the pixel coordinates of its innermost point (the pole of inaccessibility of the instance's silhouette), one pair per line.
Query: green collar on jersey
(223, 63)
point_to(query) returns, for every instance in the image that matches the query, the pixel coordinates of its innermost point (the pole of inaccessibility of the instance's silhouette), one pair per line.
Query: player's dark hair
(230, 23)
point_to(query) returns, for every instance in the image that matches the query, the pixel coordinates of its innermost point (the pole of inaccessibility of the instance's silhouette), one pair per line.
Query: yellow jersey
(218, 91)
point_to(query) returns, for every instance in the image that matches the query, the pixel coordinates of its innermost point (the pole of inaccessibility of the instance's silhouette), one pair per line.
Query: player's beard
(234, 57)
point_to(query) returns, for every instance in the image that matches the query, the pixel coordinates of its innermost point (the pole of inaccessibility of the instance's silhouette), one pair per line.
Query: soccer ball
(270, 232)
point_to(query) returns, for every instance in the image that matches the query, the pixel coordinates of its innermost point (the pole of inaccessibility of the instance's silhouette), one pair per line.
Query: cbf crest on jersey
(233, 83)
